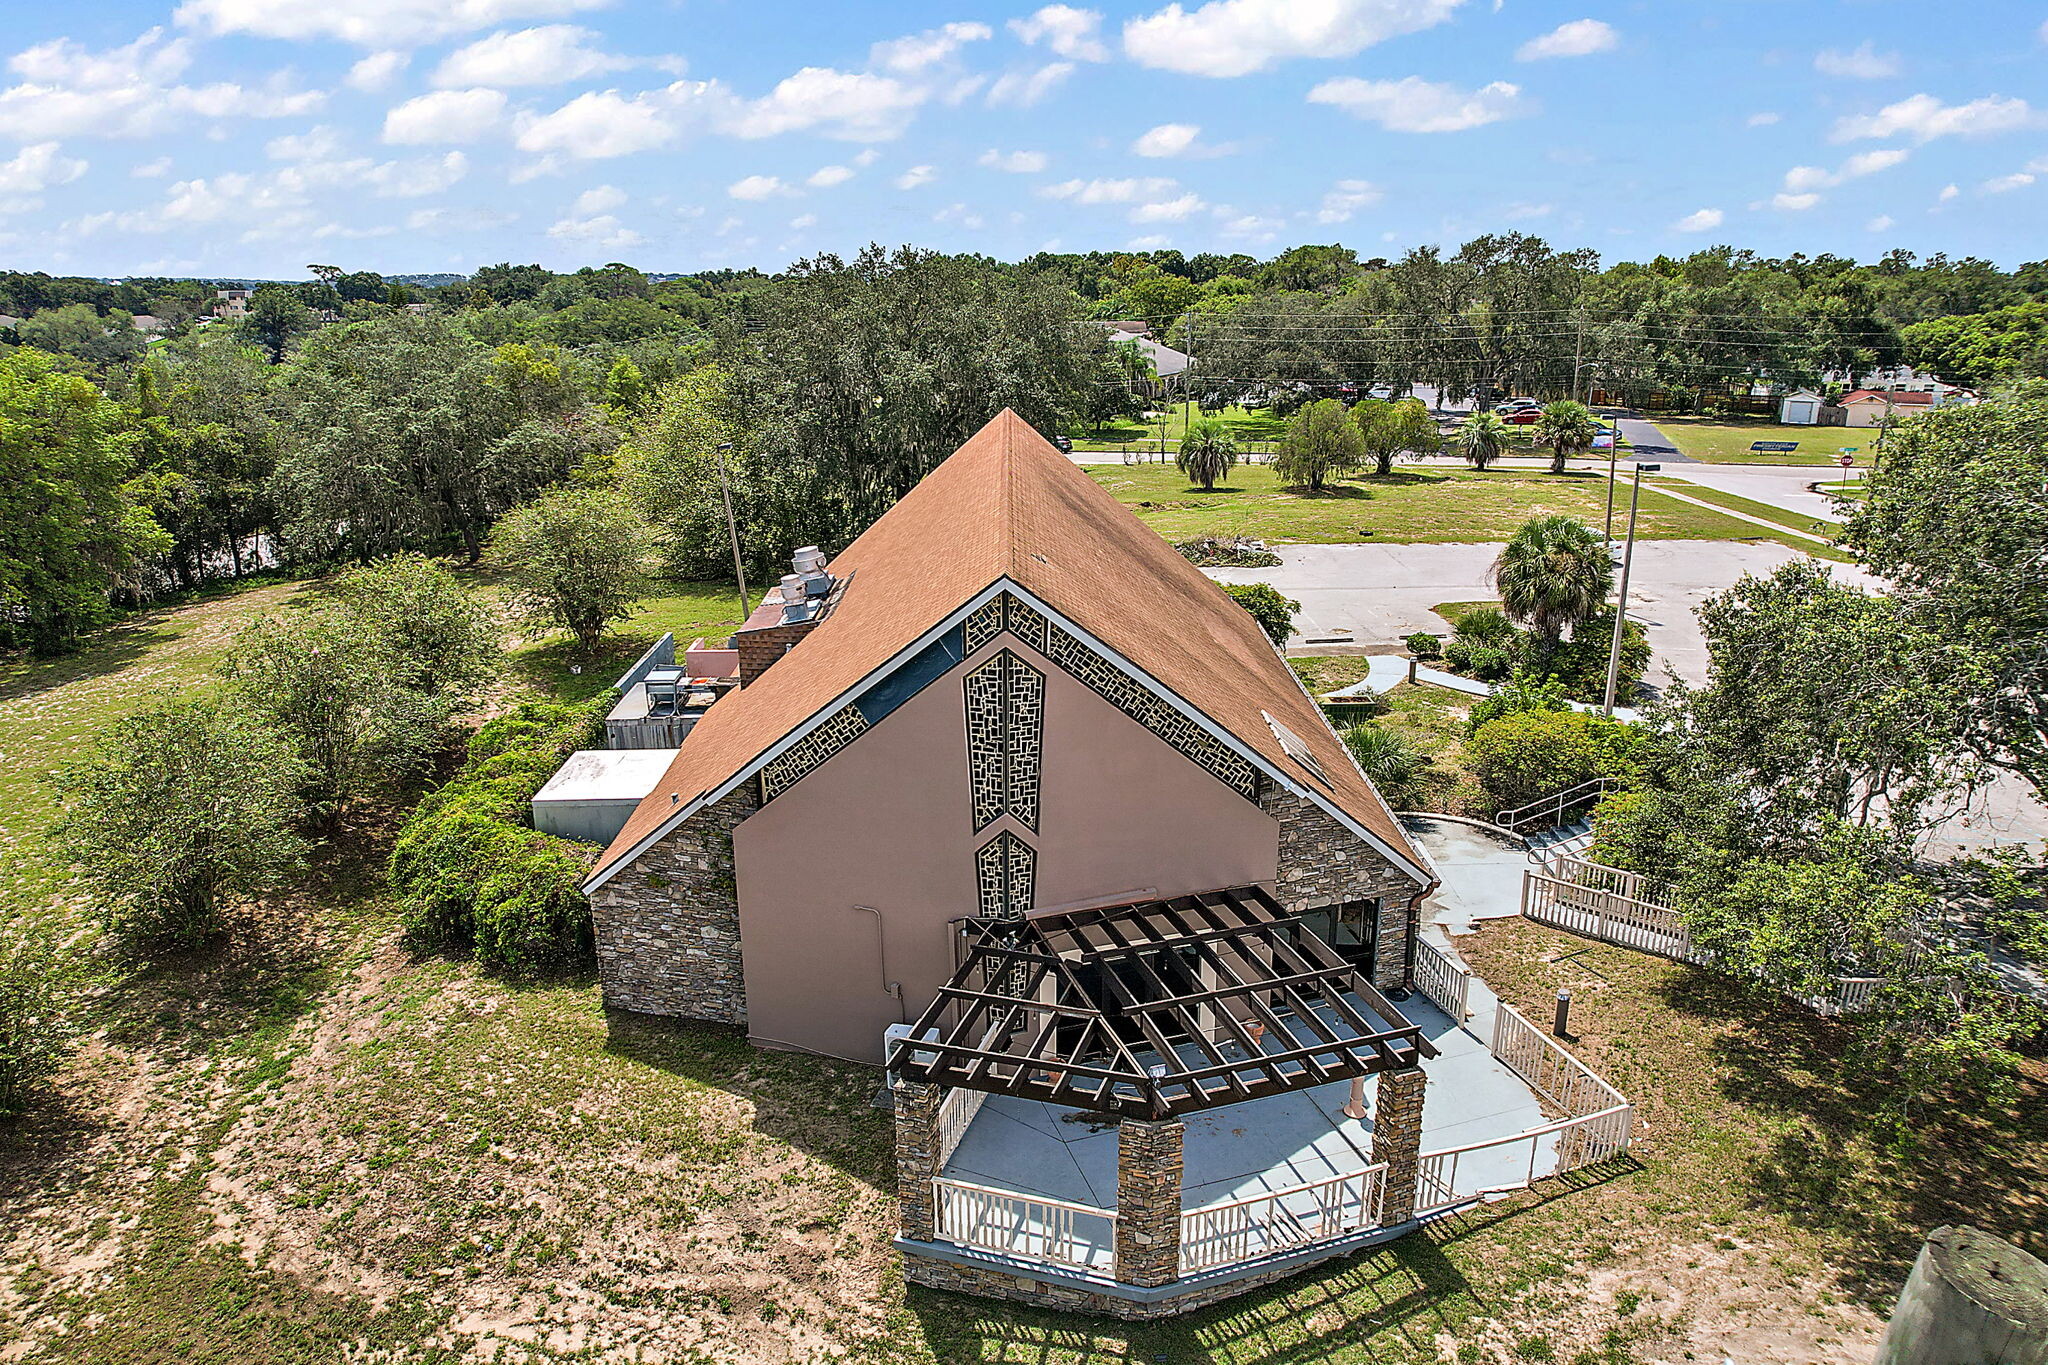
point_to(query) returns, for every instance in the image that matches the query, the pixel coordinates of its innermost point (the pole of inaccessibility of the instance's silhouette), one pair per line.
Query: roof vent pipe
(809, 560)
(792, 588)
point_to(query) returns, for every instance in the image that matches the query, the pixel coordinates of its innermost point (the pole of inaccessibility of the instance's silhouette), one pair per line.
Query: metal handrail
(1554, 804)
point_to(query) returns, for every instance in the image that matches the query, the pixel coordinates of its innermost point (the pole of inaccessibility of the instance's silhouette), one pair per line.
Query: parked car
(1064, 444)
(1518, 405)
(1522, 417)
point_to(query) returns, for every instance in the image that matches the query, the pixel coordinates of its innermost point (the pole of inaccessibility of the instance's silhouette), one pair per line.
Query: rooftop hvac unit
(792, 587)
(817, 584)
(799, 610)
(809, 560)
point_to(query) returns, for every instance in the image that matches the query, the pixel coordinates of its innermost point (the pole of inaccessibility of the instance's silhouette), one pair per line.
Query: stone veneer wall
(989, 1283)
(1397, 1139)
(668, 926)
(1148, 1169)
(1323, 863)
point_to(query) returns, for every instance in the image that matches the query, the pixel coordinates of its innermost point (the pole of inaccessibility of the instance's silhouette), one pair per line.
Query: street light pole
(1628, 559)
(732, 525)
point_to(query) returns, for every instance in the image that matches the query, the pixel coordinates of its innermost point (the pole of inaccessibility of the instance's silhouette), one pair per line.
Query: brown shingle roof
(1007, 504)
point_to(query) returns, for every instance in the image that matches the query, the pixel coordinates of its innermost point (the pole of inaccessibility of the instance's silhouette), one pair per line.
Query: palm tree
(1568, 428)
(1481, 438)
(1390, 760)
(1208, 452)
(1554, 574)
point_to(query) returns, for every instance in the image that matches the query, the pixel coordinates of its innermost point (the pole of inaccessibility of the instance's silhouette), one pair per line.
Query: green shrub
(1458, 654)
(1519, 693)
(1423, 645)
(473, 876)
(33, 1032)
(1525, 755)
(1581, 663)
(1490, 663)
(1486, 626)
(1274, 613)
(1390, 759)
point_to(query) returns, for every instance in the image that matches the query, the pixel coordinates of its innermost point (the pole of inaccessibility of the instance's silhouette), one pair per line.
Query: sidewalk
(1384, 670)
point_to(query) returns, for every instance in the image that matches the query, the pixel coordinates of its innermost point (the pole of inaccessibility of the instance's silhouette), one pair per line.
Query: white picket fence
(1604, 903)
(1281, 1220)
(956, 1112)
(1025, 1226)
(1446, 983)
(1597, 1125)
(1633, 911)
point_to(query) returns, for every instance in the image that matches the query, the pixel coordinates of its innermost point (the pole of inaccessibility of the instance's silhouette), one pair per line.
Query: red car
(1526, 417)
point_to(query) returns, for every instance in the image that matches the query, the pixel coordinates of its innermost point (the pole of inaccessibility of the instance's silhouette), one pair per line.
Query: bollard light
(1561, 1026)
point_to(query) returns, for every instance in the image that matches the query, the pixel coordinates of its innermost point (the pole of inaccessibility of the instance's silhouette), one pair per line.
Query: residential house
(1870, 408)
(1011, 798)
(232, 303)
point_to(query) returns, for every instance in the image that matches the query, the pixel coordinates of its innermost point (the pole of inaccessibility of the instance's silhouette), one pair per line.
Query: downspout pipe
(1415, 931)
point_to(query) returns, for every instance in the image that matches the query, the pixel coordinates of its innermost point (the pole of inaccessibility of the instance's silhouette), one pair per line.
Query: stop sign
(1846, 460)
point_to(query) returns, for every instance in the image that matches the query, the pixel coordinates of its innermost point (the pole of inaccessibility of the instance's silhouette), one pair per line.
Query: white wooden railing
(1451, 1175)
(1281, 1220)
(1445, 982)
(1550, 1071)
(1604, 903)
(956, 1111)
(1024, 1226)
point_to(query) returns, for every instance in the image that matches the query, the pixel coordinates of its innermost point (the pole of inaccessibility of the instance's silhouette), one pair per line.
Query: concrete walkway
(1384, 670)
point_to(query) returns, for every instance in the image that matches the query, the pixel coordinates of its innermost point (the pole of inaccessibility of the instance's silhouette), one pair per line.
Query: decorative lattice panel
(1006, 873)
(1005, 738)
(838, 730)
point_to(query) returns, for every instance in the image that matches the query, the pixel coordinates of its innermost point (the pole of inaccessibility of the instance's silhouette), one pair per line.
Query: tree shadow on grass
(1836, 1166)
(1388, 1302)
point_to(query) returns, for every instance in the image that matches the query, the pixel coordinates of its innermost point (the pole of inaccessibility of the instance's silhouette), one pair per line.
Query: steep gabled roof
(1008, 506)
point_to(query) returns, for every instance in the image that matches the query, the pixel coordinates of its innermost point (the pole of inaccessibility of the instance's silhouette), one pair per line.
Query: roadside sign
(1846, 458)
(1848, 450)
(1774, 447)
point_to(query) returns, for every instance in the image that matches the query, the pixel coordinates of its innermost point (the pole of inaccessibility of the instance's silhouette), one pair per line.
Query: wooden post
(1972, 1299)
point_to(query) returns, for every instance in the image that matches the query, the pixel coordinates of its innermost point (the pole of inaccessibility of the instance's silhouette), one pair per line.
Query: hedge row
(475, 876)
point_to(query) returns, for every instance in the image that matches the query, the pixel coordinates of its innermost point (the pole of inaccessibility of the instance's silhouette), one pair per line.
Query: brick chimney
(790, 611)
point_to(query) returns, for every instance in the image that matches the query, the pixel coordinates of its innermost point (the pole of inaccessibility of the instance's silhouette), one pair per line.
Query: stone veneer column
(917, 1158)
(1148, 1169)
(1397, 1140)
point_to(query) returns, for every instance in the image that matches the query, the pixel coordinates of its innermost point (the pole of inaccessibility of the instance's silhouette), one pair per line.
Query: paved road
(1649, 443)
(1375, 595)
(1776, 484)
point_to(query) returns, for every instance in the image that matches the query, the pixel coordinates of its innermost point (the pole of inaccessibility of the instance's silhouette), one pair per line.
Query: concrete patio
(1261, 1146)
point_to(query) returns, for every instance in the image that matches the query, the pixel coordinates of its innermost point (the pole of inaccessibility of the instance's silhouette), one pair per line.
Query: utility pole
(1579, 357)
(1613, 453)
(732, 525)
(1628, 560)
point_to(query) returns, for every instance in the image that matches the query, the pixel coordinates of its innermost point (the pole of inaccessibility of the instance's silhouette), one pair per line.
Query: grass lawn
(306, 1143)
(1411, 506)
(1722, 441)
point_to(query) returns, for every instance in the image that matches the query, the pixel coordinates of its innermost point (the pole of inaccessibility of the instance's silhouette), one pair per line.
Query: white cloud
(916, 176)
(1864, 62)
(1251, 227)
(960, 214)
(757, 187)
(1346, 199)
(1801, 179)
(1068, 31)
(370, 23)
(1022, 89)
(1169, 210)
(1522, 212)
(36, 168)
(1763, 118)
(1703, 220)
(598, 199)
(603, 123)
(317, 159)
(1881, 223)
(465, 219)
(921, 50)
(1579, 38)
(1017, 163)
(856, 106)
(69, 90)
(1151, 241)
(802, 221)
(1238, 37)
(1414, 105)
(602, 230)
(2004, 184)
(1168, 139)
(1948, 192)
(825, 177)
(1924, 118)
(1794, 203)
(548, 55)
(445, 116)
(1110, 191)
(377, 71)
(152, 170)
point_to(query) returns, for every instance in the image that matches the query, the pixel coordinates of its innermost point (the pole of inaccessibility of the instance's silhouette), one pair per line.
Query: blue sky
(250, 137)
